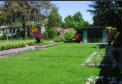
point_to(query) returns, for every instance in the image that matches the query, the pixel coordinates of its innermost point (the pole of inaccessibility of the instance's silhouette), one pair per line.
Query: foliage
(38, 36)
(77, 17)
(20, 33)
(108, 13)
(4, 36)
(15, 44)
(46, 34)
(68, 22)
(52, 32)
(16, 24)
(76, 21)
(24, 14)
(54, 21)
(111, 29)
(58, 39)
(68, 36)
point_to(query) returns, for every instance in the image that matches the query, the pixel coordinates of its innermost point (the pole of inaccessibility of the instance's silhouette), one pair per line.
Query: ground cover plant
(54, 65)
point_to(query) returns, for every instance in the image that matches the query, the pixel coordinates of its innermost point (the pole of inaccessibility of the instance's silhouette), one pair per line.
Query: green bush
(58, 39)
(3, 36)
(46, 35)
(68, 36)
(52, 32)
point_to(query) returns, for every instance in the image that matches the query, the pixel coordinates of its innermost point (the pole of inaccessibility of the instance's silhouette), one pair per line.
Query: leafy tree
(76, 21)
(68, 21)
(77, 17)
(54, 21)
(24, 13)
(108, 13)
(104, 13)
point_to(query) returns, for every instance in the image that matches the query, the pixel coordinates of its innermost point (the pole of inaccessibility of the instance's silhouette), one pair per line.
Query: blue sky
(70, 7)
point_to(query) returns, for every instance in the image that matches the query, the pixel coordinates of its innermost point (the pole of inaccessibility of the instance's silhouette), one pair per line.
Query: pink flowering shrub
(61, 30)
(67, 34)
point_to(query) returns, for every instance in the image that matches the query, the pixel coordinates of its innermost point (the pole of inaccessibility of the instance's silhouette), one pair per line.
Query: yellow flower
(34, 29)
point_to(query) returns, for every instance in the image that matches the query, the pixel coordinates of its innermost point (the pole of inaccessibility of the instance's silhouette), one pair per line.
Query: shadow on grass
(109, 74)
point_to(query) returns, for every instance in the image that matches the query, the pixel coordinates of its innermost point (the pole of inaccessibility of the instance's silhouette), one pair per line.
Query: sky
(70, 7)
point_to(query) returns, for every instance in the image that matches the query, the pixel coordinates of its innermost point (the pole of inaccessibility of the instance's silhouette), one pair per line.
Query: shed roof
(91, 28)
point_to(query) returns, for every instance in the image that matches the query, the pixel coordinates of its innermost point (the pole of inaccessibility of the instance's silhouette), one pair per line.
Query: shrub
(58, 39)
(52, 32)
(15, 45)
(68, 36)
(46, 35)
(4, 36)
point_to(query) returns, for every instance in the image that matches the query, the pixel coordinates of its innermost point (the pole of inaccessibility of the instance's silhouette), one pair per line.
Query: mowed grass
(55, 65)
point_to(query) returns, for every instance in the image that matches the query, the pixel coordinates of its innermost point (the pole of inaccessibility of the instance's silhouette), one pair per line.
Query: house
(10, 32)
(93, 35)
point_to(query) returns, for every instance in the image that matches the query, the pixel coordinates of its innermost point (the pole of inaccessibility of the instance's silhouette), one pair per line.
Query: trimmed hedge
(15, 45)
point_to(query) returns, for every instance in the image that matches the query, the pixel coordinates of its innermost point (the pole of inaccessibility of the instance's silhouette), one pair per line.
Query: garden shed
(93, 35)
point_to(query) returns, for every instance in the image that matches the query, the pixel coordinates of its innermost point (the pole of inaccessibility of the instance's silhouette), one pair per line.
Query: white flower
(97, 78)
(90, 79)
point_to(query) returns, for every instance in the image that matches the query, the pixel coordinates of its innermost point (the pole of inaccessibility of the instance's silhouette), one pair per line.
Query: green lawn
(55, 65)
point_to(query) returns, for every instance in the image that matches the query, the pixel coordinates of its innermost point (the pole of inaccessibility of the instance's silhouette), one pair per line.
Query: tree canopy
(76, 21)
(54, 21)
(108, 13)
(24, 13)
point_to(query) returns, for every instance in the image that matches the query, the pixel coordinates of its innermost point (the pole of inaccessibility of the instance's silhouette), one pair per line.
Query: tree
(104, 13)
(68, 21)
(108, 13)
(54, 21)
(77, 17)
(25, 13)
(76, 21)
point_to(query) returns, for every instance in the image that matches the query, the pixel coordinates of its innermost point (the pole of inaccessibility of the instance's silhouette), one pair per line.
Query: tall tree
(68, 21)
(77, 17)
(54, 21)
(24, 13)
(108, 13)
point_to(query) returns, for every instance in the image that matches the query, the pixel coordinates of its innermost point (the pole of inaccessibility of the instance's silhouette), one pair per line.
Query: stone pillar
(104, 36)
(85, 39)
